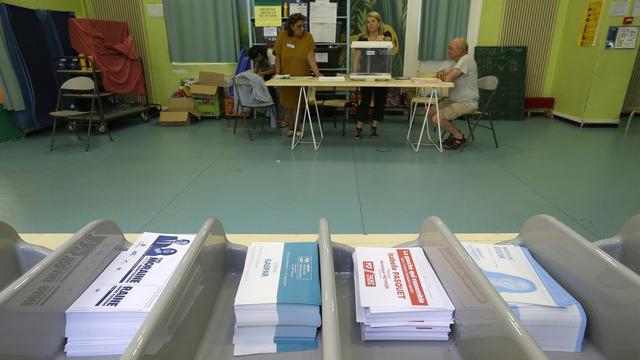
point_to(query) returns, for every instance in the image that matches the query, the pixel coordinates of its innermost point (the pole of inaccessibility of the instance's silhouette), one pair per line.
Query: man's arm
(450, 75)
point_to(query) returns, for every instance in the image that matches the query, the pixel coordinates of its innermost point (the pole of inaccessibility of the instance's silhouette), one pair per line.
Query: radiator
(530, 24)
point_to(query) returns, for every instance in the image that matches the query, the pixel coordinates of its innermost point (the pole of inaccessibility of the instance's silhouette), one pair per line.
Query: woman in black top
(374, 30)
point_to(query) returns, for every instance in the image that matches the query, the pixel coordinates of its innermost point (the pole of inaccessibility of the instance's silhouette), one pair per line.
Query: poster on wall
(589, 25)
(622, 37)
(619, 8)
(268, 14)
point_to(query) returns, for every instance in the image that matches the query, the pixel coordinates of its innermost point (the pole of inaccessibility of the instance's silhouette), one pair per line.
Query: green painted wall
(165, 75)
(491, 22)
(554, 52)
(590, 83)
(76, 6)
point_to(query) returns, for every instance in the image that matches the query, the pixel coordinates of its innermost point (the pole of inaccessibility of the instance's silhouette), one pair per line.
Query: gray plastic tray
(16, 255)
(32, 309)
(625, 245)
(485, 328)
(608, 290)
(193, 319)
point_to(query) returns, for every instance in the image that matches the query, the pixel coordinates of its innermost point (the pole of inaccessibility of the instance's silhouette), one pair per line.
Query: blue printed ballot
(107, 315)
(277, 306)
(551, 315)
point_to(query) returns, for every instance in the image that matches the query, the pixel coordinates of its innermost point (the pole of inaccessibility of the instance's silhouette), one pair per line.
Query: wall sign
(622, 37)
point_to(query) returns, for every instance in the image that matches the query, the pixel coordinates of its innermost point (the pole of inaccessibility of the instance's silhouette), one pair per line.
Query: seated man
(463, 98)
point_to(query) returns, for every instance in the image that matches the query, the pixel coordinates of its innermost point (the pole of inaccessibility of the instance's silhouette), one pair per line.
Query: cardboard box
(209, 107)
(181, 111)
(208, 85)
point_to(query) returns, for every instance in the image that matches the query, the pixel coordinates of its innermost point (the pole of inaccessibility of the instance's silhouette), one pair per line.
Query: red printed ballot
(399, 296)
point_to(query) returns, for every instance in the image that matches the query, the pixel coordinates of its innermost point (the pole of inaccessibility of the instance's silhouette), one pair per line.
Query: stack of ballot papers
(104, 319)
(277, 305)
(551, 315)
(398, 296)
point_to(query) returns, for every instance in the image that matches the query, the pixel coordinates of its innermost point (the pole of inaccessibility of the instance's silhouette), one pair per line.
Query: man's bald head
(457, 48)
(461, 42)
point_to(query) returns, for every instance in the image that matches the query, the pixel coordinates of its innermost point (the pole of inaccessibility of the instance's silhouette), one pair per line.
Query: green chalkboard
(509, 64)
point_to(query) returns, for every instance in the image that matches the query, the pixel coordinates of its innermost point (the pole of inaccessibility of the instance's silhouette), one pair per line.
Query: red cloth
(113, 50)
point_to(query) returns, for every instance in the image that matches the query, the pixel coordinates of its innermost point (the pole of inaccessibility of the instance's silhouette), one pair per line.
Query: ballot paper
(552, 316)
(398, 296)
(111, 310)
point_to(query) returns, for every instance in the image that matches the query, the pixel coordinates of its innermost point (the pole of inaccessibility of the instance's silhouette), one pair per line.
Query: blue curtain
(442, 20)
(202, 30)
(32, 39)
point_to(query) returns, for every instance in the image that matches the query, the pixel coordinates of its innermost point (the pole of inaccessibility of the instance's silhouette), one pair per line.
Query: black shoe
(357, 134)
(374, 132)
(455, 143)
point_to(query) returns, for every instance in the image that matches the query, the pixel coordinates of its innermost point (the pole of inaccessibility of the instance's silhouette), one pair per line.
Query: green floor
(154, 178)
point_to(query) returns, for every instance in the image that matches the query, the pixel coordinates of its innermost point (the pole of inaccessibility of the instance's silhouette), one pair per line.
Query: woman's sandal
(374, 132)
(357, 134)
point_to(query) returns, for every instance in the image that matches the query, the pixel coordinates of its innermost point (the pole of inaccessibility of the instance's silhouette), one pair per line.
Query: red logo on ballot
(369, 279)
(367, 265)
(369, 274)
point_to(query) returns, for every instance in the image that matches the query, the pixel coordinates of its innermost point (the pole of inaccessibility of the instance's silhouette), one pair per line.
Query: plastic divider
(625, 245)
(608, 290)
(16, 255)
(485, 328)
(32, 319)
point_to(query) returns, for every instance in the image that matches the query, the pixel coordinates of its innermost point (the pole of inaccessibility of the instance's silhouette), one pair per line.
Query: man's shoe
(455, 143)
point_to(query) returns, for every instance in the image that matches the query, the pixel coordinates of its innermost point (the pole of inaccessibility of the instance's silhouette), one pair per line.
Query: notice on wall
(154, 10)
(589, 26)
(619, 8)
(622, 37)
(270, 31)
(636, 9)
(298, 8)
(268, 15)
(322, 21)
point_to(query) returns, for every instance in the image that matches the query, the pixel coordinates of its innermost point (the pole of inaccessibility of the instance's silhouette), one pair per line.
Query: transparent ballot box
(371, 60)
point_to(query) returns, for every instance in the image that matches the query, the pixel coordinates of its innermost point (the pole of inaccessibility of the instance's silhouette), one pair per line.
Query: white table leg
(416, 146)
(294, 143)
(307, 116)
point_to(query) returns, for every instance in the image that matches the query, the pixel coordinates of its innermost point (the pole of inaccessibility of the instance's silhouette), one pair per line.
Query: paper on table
(619, 8)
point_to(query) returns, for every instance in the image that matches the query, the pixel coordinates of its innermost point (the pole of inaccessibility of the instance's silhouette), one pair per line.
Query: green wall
(590, 83)
(491, 22)
(165, 75)
(76, 6)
